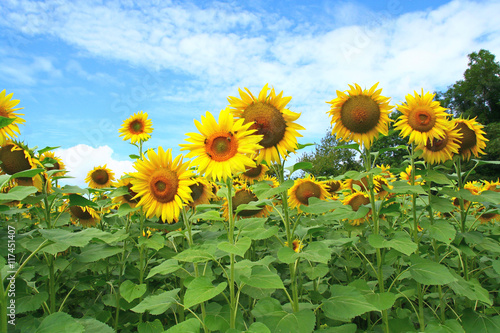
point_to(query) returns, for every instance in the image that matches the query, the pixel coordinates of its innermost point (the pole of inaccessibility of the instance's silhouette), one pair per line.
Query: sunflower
(136, 128)
(201, 192)
(87, 216)
(7, 110)
(100, 177)
(252, 175)
(243, 196)
(303, 189)
(474, 187)
(472, 141)
(297, 245)
(491, 186)
(16, 157)
(486, 217)
(162, 184)
(360, 115)
(223, 149)
(441, 149)
(269, 117)
(406, 175)
(52, 162)
(422, 119)
(332, 186)
(126, 198)
(356, 200)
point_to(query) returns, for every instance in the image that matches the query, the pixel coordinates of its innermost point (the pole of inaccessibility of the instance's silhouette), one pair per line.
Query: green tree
(390, 147)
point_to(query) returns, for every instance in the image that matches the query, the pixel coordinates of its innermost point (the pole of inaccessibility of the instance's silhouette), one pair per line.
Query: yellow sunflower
(100, 177)
(406, 175)
(252, 175)
(87, 216)
(126, 198)
(243, 196)
(52, 162)
(486, 217)
(162, 184)
(491, 186)
(201, 192)
(422, 119)
(356, 200)
(222, 149)
(269, 117)
(332, 186)
(136, 128)
(297, 245)
(7, 110)
(360, 115)
(441, 149)
(472, 141)
(303, 189)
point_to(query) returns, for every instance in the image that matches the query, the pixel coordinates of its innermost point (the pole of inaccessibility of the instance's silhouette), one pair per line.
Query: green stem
(230, 235)
(463, 215)
(51, 287)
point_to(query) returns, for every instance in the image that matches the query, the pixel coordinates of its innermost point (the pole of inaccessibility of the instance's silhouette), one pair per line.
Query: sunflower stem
(463, 215)
(230, 234)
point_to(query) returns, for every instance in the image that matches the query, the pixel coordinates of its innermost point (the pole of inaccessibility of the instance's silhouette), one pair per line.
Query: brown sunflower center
(422, 119)
(163, 185)
(437, 144)
(332, 186)
(221, 147)
(468, 139)
(196, 191)
(296, 245)
(13, 160)
(253, 172)
(131, 194)
(78, 212)
(3, 112)
(357, 201)
(306, 190)
(100, 177)
(243, 197)
(360, 114)
(136, 127)
(268, 121)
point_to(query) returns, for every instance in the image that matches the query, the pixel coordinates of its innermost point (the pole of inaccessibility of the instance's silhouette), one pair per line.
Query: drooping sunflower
(222, 149)
(162, 184)
(472, 141)
(269, 117)
(252, 175)
(16, 157)
(422, 119)
(201, 192)
(332, 186)
(441, 149)
(360, 115)
(356, 200)
(87, 216)
(137, 127)
(52, 162)
(127, 198)
(8, 110)
(100, 177)
(243, 196)
(297, 245)
(488, 216)
(303, 189)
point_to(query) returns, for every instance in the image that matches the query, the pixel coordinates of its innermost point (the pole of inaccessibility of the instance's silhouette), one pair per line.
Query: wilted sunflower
(442, 149)
(201, 192)
(243, 196)
(136, 128)
(303, 189)
(87, 216)
(360, 115)
(297, 245)
(472, 141)
(100, 177)
(422, 119)
(268, 116)
(222, 149)
(7, 110)
(127, 198)
(52, 162)
(252, 175)
(162, 184)
(356, 200)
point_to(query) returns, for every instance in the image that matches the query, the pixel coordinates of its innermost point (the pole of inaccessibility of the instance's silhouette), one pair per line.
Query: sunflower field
(226, 239)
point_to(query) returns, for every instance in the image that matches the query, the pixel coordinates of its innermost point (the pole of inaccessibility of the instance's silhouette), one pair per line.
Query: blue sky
(82, 67)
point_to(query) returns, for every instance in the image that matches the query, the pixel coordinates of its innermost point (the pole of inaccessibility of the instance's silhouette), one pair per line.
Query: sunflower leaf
(6, 121)
(46, 149)
(78, 200)
(27, 173)
(18, 193)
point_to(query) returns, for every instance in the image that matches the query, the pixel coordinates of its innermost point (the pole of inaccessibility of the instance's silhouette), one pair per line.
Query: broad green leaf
(316, 252)
(239, 248)
(195, 255)
(471, 289)
(317, 206)
(190, 325)
(27, 173)
(30, 302)
(210, 215)
(431, 273)
(477, 322)
(46, 149)
(402, 187)
(346, 303)
(78, 200)
(442, 231)
(130, 291)
(299, 166)
(94, 252)
(437, 177)
(269, 193)
(201, 290)
(316, 271)
(443, 205)
(270, 312)
(382, 301)
(287, 255)
(18, 193)
(401, 242)
(167, 267)
(157, 304)
(6, 121)
(155, 242)
(449, 326)
(68, 238)
(92, 325)
(263, 278)
(260, 233)
(347, 328)
(124, 210)
(69, 189)
(258, 327)
(60, 322)
(151, 327)
(4, 180)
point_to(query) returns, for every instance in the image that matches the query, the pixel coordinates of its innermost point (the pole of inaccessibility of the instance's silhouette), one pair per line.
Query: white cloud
(81, 159)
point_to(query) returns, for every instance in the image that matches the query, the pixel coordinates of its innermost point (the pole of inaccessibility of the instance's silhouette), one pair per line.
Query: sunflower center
(332, 187)
(136, 127)
(13, 160)
(357, 201)
(221, 147)
(196, 191)
(78, 212)
(3, 112)
(437, 144)
(253, 172)
(360, 114)
(306, 190)
(243, 197)
(163, 185)
(468, 139)
(422, 119)
(296, 245)
(268, 121)
(100, 177)
(128, 197)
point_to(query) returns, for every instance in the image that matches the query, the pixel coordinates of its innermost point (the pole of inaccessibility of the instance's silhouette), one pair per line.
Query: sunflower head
(257, 173)
(100, 177)
(269, 117)
(136, 128)
(360, 115)
(487, 216)
(130, 196)
(440, 150)
(201, 192)
(16, 157)
(406, 175)
(243, 196)
(303, 189)
(8, 110)
(422, 118)
(222, 149)
(86, 215)
(297, 245)
(332, 186)
(491, 186)
(472, 140)
(356, 200)
(51, 162)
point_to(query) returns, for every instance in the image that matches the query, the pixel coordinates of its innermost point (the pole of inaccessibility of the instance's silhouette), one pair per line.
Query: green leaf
(190, 325)
(443, 205)
(210, 215)
(151, 327)
(287, 255)
(346, 303)
(431, 273)
(382, 301)
(201, 290)
(60, 322)
(269, 193)
(301, 146)
(18, 193)
(70, 189)
(134, 157)
(317, 206)
(347, 328)
(92, 325)
(6, 121)
(449, 326)
(437, 177)
(299, 166)
(471, 289)
(401, 242)
(155, 242)
(354, 146)
(270, 312)
(78, 200)
(477, 322)
(195, 255)
(63, 238)
(125, 209)
(167, 267)
(157, 304)
(27, 173)
(30, 302)
(402, 187)
(46, 149)
(442, 231)
(316, 271)
(94, 252)
(262, 277)
(258, 328)
(317, 252)
(239, 248)
(130, 291)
